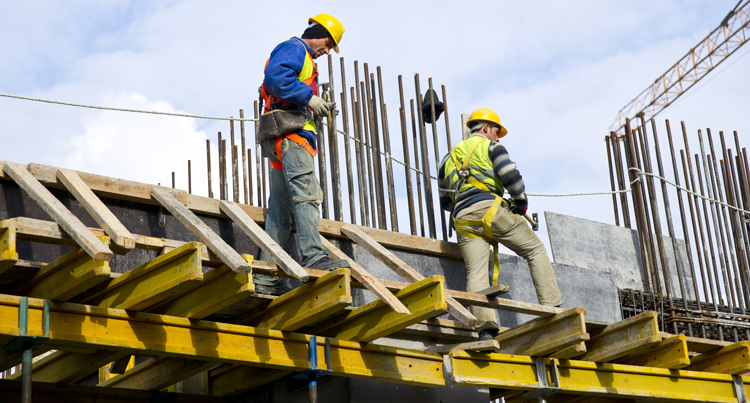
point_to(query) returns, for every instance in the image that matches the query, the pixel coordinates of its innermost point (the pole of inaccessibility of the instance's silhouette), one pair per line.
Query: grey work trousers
(512, 231)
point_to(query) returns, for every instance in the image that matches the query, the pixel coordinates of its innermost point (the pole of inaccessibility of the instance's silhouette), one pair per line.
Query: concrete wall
(612, 250)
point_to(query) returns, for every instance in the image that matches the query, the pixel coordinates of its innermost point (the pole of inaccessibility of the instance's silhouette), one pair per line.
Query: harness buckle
(464, 173)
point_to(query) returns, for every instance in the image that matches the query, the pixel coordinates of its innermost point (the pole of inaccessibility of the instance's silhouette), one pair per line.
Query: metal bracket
(24, 340)
(739, 388)
(544, 388)
(314, 372)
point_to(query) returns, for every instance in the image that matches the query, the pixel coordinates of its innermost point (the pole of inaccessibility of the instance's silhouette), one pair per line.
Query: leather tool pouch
(279, 122)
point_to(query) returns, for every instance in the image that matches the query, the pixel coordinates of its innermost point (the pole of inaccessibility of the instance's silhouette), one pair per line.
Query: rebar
(447, 124)
(388, 160)
(375, 145)
(739, 248)
(368, 152)
(416, 166)
(648, 237)
(222, 171)
(364, 142)
(612, 180)
(710, 254)
(407, 167)
(670, 227)
(425, 163)
(361, 171)
(741, 235)
(190, 179)
(347, 150)
(333, 147)
(249, 168)
(173, 184)
(621, 177)
(208, 167)
(636, 185)
(235, 165)
(322, 174)
(259, 160)
(437, 153)
(244, 155)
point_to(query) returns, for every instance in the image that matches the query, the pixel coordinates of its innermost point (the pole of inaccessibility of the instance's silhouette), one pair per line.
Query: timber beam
(626, 337)
(166, 336)
(671, 353)
(67, 367)
(8, 254)
(601, 380)
(158, 373)
(732, 359)
(543, 336)
(424, 299)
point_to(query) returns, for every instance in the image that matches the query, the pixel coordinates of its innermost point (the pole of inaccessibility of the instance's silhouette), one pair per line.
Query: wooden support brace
(264, 241)
(232, 380)
(68, 276)
(157, 373)
(403, 270)
(495, 290)
(626, 337)
(481, 345)
(442, 329)
(70, 223)
(101, 214)
(220, 288)
(371, 283)
(8, 254)
(544, 336)
(164, 277)
(225, 252)
(425, 299)
(67, 367)
(733, 359)
(306, 305)
(671, 353)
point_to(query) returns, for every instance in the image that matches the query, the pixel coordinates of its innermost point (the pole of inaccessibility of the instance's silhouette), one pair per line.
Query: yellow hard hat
(334, 27)
(487, 115)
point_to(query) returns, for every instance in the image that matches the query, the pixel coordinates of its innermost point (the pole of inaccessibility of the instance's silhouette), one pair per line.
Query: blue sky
(556, 72)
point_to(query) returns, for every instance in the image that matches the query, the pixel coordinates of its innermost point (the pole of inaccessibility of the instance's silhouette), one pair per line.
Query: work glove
(319, 106)
(515, 208)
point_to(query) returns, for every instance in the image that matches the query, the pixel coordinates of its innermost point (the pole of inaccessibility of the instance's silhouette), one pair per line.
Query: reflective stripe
(479, 167)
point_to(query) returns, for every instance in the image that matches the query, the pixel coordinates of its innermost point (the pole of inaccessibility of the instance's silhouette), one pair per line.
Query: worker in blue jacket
(291, 83)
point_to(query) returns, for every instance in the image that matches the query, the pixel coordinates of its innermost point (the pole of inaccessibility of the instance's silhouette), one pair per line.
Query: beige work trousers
(512, 231)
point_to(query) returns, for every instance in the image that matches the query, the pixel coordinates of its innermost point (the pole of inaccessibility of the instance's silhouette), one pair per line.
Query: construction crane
(720, 44)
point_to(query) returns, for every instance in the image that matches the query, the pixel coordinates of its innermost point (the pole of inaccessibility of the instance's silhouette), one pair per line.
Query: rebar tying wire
(386, 155)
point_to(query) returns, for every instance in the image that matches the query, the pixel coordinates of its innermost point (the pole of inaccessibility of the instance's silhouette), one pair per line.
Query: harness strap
(297, 139)
(486, 223)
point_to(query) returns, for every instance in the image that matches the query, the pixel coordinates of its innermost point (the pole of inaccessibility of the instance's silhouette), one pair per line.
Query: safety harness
(486, 222)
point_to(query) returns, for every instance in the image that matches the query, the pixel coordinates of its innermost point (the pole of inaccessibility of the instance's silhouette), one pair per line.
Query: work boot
(487, 334)
(326, 263)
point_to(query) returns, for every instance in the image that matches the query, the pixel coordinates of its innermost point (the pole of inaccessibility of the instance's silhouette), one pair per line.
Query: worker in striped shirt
(472, 179)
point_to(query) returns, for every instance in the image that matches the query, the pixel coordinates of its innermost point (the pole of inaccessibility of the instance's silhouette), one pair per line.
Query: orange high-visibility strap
(297, 139)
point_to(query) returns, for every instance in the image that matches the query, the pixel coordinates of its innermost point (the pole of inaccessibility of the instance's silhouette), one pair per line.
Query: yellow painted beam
(544, 336)
(66, 367)
(67, 276)
(166, 276)
(671, 353)
(159, 335)
(157, 373)
(220, 288)
(8, 254)
(424, 299)
(305, 305)
(232, 380)
(623, 338)
(593, 378)
(732, 359)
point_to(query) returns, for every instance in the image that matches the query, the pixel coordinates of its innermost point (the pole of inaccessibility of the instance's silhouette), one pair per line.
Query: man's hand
(319, 106)
(515, 208)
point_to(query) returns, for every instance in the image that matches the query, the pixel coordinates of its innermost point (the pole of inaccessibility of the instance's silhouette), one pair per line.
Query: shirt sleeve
(285, 63)
(505, 169)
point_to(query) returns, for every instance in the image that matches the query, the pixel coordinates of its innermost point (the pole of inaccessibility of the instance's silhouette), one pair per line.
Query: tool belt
(278, 122)
(295, 138)
(486, 223)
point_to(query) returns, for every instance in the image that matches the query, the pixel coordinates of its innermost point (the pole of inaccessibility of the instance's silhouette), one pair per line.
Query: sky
(557, 73)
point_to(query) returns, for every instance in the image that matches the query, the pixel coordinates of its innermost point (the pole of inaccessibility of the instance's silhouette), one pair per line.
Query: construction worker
(472, 179)
(290, 83)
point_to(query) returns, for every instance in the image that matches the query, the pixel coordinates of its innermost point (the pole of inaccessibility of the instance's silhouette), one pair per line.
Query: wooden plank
(425, 299)
(227, 254)
(264, 241)
(8, 254)
(481, 345)
(626, 337)
(403, 270)
(671, 353)
(68, 276)
(66, 367)
(371, 283)
(495, 290)
(304, 305)
(70, 223)
(573, 351)
(157, 373)
(733, 359)
(164, 277)
(101, 214)
(544, 336)
(220, 288)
